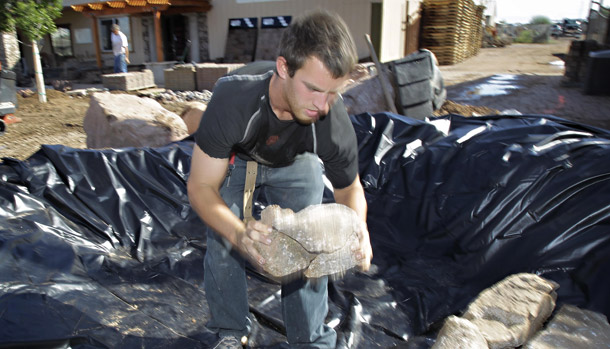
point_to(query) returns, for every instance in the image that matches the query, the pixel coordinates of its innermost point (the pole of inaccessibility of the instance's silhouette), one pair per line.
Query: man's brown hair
(322, 35)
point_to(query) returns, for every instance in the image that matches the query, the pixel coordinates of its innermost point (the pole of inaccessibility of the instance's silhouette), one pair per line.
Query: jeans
(304, 301)
(120, 66)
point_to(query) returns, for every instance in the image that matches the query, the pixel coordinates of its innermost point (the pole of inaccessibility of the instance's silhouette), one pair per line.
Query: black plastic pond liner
(100, 248)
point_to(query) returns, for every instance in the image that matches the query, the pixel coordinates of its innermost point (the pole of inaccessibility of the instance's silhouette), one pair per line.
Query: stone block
(208, 73)
(129, 81)
(180, 78)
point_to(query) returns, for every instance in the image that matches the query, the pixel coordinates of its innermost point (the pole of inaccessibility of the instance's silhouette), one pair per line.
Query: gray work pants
(304, 302)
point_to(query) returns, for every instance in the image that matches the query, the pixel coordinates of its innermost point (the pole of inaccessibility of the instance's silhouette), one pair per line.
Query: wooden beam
(116, 4)
(136, 2)
(172, 10)
(195, 3)
(158, 41)
(158, 2)
(96, 40)
(78, 8)
(96, 6)
(127, 10)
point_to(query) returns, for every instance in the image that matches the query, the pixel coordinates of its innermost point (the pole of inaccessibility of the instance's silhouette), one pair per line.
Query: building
(215, 30)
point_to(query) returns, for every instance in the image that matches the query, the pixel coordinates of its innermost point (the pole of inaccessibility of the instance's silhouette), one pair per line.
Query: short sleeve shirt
(239, 119)
(119, 43)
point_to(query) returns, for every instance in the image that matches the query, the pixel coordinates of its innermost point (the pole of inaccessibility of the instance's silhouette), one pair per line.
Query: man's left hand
(364, 252)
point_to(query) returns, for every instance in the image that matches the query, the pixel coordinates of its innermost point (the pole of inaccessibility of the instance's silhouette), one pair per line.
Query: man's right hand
(255, 232)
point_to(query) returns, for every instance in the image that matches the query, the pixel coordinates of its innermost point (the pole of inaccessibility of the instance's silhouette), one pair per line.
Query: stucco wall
(356, 13)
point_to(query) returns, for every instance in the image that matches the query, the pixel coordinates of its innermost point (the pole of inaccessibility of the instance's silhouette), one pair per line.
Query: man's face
(311, 91)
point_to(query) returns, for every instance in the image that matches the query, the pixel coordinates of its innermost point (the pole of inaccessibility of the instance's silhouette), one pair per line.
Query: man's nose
(320, 101)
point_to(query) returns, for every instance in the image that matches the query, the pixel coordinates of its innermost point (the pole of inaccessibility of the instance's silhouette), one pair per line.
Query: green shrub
(525, 37)
(540, 20)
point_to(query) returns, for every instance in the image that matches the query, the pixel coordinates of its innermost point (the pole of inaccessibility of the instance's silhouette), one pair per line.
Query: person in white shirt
(119, 49)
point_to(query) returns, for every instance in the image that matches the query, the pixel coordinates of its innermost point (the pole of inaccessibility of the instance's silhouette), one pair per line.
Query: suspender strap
(251, 170)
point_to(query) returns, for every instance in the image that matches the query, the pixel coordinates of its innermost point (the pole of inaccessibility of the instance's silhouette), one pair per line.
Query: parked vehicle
(571, 27)
(556, 30)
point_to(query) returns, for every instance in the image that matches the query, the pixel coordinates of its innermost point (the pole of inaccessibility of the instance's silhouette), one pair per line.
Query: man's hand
(127, 60)
(364, 252)
(255, 232)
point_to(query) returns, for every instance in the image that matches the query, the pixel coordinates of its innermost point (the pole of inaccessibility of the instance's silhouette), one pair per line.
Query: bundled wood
(452, 29)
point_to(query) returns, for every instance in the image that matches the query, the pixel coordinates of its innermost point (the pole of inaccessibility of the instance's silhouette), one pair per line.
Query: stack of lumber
(452, 29)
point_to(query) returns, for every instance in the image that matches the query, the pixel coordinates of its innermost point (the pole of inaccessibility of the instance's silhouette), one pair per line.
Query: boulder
(122, 120)
(191, 115)
(314, 242)
(459, 333)
(572, 327)
(510, 312)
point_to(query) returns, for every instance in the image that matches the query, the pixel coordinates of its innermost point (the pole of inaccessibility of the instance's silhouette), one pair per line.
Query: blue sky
(522, 11)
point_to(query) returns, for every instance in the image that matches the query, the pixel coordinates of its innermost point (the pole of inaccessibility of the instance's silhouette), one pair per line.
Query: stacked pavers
(199, 77)
(129, 81)
(208, 73)
(180, 78)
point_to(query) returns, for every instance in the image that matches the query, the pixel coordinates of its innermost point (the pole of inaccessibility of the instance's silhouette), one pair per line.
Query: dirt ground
(532, 77)
(537, 90)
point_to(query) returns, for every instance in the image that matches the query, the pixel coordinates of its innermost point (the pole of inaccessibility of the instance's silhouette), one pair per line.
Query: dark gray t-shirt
(239, 119)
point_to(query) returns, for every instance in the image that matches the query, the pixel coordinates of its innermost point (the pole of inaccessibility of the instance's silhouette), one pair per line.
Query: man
(283, 115)
(119, 49)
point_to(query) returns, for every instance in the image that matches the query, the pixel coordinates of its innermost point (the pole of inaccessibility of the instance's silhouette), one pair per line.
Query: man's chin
(304, 120)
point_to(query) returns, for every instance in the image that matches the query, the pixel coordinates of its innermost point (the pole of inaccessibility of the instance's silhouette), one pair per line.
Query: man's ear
(281, 67)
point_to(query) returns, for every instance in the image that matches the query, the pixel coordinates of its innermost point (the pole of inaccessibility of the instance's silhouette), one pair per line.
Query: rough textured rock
(572, 327)
(314, 242)
(191, 115)
(511, 311)
(122, 120)
(459, 333)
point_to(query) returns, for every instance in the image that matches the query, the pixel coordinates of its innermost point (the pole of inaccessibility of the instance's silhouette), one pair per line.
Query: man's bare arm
(353, 197)
(206, 176)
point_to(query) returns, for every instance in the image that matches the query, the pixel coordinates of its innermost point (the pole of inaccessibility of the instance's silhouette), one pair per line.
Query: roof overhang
(117, 7)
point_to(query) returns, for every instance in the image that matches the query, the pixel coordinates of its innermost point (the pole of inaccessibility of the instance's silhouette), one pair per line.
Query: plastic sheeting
(100, 248)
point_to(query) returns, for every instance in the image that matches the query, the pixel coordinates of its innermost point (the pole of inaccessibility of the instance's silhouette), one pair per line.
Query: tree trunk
(42, 95)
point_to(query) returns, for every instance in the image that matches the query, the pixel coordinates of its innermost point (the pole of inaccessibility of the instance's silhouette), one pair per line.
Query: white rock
(123, 120)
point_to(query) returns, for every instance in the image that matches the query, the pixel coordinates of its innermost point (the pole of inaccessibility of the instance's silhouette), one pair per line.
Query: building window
(61, 41)
(106, 30)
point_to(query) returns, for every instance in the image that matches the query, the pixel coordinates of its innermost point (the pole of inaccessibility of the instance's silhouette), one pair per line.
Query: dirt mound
(450, 107)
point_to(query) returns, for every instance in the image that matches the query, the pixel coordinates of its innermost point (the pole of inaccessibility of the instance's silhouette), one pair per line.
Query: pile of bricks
(452, 29)
(198, 77)
(208, 73)
(129, 81)
(180, 78)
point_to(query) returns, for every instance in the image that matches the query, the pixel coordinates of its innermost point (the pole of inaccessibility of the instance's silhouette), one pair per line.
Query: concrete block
(208, 73)
(129, 81)
(180, 78)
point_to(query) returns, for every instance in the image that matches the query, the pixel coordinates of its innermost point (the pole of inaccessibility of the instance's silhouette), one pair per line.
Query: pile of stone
(170, 96)
(513, 312)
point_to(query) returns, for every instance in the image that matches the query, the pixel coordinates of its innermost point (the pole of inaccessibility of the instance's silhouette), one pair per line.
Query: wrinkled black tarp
(99, 248)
